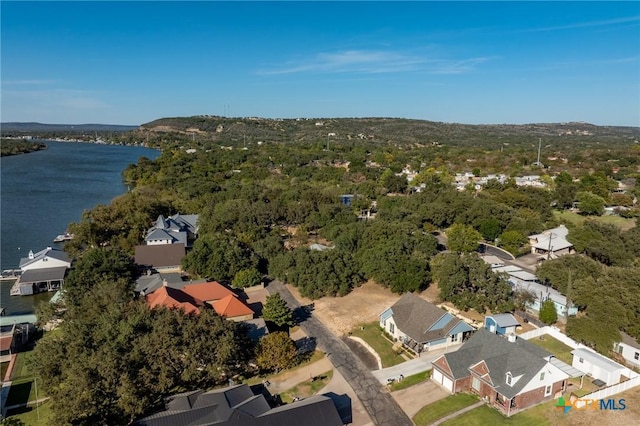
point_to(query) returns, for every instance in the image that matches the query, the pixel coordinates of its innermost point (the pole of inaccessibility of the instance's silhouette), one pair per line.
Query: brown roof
(160, 256)
(231, 307)
(5, 342)
(207, 292)
(172, 299)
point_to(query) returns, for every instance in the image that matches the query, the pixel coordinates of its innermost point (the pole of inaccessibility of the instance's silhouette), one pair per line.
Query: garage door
(447, 383)
(437, 376)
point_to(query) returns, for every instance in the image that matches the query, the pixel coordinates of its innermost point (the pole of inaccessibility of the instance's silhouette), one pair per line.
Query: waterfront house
(176, 229)
(41, 271)
(629, 349)
(422, 326)
(162, 258)
(508, 372)
(237, 405)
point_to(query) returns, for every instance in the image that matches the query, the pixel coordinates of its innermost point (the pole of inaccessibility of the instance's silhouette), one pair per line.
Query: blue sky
(466, 62)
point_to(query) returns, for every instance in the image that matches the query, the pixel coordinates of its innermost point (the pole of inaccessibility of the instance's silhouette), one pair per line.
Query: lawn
(485, 415)
(43, 415)
(22, 383)
(409, 381)
(437, 410)
(372, 334)
(556, 347)
(307, 388)
(575, 218)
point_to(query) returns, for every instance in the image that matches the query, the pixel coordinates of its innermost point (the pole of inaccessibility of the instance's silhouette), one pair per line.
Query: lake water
(42, 192)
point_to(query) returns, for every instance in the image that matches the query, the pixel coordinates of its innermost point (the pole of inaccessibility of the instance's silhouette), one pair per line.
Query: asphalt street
(382, 408)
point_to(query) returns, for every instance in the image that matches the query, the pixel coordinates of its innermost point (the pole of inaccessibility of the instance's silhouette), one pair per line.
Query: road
(382, 408)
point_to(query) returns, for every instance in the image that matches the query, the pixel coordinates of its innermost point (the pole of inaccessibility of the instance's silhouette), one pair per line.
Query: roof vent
(30, 254)
(511, 337)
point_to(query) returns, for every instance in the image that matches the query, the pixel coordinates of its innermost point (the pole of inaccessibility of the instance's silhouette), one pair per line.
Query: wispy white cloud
(586, 24)
(374, 62)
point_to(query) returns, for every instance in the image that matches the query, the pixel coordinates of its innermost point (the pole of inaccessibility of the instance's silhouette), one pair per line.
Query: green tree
(276, 352)
(590, 203)
(463, 238)
(512, 241)
(276, 310)
(246, 278)
(548, 314)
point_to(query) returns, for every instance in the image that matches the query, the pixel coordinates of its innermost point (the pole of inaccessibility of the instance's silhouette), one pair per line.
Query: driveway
(380, 406)
(414, 366)
(412, 399)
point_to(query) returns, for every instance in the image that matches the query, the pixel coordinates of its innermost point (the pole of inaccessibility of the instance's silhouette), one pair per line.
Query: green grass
(439, 409)
(556, 347)
(307, 388)
(575, 218)
(409, 381)
(22, 383)
(30, 415)
(372, 334)
(485, 415)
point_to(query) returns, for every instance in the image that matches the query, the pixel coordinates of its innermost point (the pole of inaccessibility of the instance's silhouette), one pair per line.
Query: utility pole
(568, 303)
(539, 146)
(327, 141)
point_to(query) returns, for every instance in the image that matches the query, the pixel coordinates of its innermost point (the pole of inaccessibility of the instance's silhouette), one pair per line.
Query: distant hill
(41, 127)
(385, 130)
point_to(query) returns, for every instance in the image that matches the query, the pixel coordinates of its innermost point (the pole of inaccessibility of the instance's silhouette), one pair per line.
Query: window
(542, 376)
(391, 328)
(580, 360)
(454, 337)
(547, 390)
(509, 377)
(636, 356)
(475, 383)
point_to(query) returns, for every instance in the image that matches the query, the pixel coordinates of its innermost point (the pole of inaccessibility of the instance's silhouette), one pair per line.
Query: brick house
(508, 372)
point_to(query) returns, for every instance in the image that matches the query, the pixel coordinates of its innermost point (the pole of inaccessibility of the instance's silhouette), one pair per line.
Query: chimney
(164, 283)
(511, 337)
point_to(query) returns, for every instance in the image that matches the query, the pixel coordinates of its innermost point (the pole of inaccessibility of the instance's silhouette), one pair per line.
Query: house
(194, 297)
(41, 271)
(423, 326)
(551, 243)
(521, 280)
(597, 366)
(501, 324)
(176, 229)
(629, 349)
(162, 258)
(238, 406)
(508, 372)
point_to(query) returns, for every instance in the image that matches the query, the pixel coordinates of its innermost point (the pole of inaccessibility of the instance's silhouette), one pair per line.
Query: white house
(422, 326)
(41, 271)
(597, 366)
(551, 243)
(176, 229)
(629, 349)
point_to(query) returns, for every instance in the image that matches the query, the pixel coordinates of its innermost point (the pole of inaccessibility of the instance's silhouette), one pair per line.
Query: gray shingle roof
(163, 255)
(238, 406)
(504, 320)
(414, 316)
(500, 356)
(158, 234)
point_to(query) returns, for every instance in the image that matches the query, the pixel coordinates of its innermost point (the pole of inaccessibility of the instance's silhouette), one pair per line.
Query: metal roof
(566, 368)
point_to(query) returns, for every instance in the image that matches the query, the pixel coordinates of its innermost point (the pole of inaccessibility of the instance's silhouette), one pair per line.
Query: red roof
(207, 292)
(192, 296)
(5, 342)
(231, 307)
(173, 299)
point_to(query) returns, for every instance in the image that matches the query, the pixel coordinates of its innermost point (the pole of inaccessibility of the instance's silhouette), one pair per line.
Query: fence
(613, 389)
(553, 332)
(533, 320)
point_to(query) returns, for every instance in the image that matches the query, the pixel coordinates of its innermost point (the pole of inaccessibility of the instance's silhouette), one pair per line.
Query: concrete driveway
(414, 366)
(412, 399)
